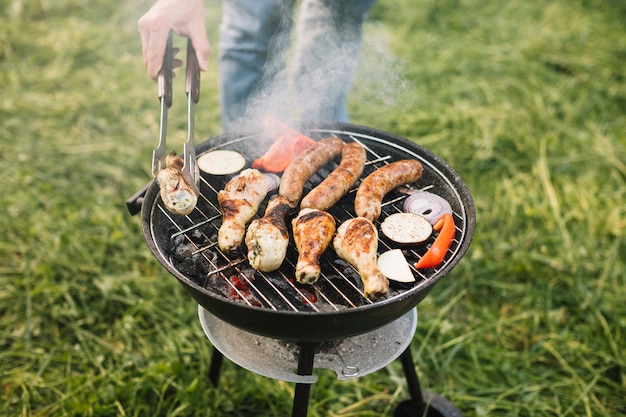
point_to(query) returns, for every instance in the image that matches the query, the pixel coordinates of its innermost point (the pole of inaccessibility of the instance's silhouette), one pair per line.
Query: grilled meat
(267, 238)
(356, 242)
(313, 231)
(306, 164)
(369, 195)
(239, 202)
(176, 192)
(339, 182)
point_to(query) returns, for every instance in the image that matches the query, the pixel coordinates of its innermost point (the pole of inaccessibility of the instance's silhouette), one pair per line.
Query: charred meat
(339, 182)
(305, 165)
(239, 202)
(313, 232)
(267, 238)
(356, 242)
(375, 186)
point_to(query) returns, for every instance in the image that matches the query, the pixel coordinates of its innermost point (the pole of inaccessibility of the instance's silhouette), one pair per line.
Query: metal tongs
(190, 170)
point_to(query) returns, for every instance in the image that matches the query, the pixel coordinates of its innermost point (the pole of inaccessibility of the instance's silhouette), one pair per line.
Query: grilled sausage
(338, 183)
(306, 164)
(375, 186)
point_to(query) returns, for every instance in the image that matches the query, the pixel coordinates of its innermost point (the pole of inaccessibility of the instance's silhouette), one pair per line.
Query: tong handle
(192, 74)
(192, 88)
(164, 77)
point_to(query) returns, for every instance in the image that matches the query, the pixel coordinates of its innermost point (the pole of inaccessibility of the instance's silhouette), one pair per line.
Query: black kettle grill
(271, 305)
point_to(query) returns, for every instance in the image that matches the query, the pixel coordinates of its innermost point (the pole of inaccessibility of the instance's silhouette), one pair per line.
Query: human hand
(184, 18)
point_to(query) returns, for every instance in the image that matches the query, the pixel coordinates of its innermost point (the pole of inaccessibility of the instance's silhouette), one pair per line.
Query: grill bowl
(288, 315)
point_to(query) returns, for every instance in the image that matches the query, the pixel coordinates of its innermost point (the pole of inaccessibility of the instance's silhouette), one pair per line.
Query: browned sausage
(373, 188)
(306, 164)
(339, 182)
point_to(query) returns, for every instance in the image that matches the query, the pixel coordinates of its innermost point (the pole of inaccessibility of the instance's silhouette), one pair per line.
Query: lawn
(525, 99)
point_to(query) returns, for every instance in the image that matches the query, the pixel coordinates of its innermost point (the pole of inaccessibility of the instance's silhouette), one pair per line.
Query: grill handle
(134, 203)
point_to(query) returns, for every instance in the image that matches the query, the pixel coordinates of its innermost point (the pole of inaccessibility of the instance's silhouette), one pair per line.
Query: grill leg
(422, 403)
(216, 367)
(303, 391)
(413, 382)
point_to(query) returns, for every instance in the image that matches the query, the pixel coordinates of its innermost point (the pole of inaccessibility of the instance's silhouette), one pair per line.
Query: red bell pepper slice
(288, 145)
(435, 254)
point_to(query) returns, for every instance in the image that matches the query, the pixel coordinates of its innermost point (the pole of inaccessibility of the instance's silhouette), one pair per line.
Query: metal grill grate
(339, 287)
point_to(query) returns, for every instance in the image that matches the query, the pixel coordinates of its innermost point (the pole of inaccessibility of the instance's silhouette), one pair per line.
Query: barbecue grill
(272, 304)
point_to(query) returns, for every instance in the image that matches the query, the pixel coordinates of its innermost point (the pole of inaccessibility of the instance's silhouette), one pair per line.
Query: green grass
(525, 99)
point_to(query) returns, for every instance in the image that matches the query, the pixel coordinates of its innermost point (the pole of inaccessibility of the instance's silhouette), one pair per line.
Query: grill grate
(190, 243)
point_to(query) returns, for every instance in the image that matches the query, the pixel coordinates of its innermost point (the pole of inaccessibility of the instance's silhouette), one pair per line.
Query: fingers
(156, 49)
(203, 50)
(153, 40)
(197, 34)
(144, 34)
(185, 18)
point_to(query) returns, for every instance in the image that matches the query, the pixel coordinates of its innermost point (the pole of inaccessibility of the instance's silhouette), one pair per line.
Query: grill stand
(421, 403)
(303, 390)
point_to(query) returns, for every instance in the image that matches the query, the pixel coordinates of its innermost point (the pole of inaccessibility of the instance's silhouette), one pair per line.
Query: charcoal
(183, 251)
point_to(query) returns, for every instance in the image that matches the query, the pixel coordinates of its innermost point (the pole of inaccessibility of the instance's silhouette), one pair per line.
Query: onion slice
(428, 205)
(273, 182)
(394, 266)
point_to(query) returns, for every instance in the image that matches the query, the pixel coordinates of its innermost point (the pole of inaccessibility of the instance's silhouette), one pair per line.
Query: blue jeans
(257, 80)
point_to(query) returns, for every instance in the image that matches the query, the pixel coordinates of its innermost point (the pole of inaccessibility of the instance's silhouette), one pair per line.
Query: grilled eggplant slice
(176, 192)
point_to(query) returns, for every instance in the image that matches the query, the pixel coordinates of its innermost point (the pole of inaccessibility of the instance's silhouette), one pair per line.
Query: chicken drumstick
(356, 242)
(313, 231)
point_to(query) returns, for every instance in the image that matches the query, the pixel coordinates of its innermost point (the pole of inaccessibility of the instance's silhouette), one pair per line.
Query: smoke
(313, 81)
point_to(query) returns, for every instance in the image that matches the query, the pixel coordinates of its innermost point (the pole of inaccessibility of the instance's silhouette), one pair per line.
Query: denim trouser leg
(328, 42)
(253, 37)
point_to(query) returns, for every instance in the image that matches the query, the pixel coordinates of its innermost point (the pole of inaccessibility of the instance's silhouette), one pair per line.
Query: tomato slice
(288, 145)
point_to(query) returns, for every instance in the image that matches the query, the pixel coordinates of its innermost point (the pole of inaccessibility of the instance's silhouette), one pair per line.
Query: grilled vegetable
(273, 182)
(221, 162)
(394, 266)
(288, 145)
(406, 228)
(436, 253)
(177, 195)
(428, 205)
